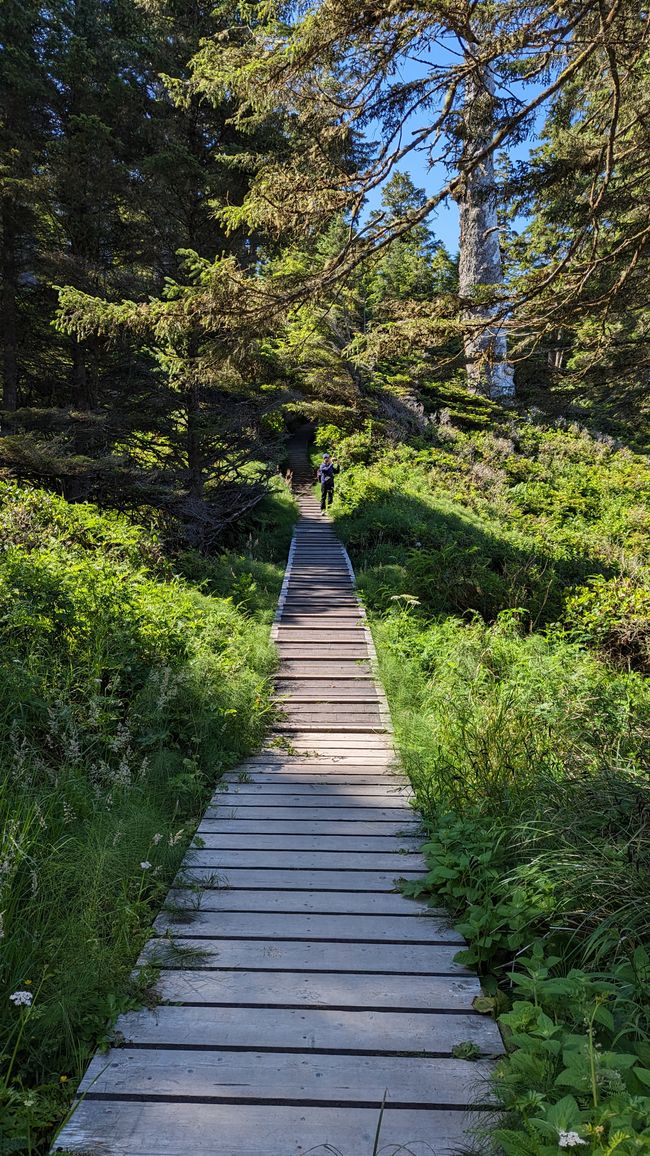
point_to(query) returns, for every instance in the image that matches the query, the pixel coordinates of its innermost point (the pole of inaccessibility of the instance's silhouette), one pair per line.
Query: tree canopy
(213, 206)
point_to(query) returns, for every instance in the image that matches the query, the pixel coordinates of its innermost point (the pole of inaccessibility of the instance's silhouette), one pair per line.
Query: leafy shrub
(516, 516)
(614, 616)
(527, 750)
(126, 691)
(527, 755)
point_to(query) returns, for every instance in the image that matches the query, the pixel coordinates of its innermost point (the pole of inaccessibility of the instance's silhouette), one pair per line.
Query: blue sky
(444, 221)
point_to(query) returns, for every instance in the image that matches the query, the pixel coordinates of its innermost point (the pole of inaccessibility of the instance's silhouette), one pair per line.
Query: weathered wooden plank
(116, 1128)
(346, 650)
(332, 716)
(349, 699)
(324, 611)
(307, 860)
(341, 902)
(427, 993)
(352, 828)
(348, 744)
(308, 757)
(281, 790)
(291, 726)
(256, 1075)
(300, 602)
(339, 652)
(319, 584)
(299, 925)
(346, 705)
(297, 668)
(315, 575)
(358, 702)
(352, 742)
(322, 1029)
(235, 840)
(371, 755)
(324, 778)
(298, 955)
(318, 634)
(310, 811)
(335, 604)
(362, 760)
(322, 880)
(323, 747)
(304, 620)
(311, 768)
(328, 697)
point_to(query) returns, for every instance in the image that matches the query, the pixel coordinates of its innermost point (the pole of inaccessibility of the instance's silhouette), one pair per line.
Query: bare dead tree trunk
(480, 271)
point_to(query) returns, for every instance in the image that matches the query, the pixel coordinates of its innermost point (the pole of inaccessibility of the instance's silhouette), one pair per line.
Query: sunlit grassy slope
(504, 563)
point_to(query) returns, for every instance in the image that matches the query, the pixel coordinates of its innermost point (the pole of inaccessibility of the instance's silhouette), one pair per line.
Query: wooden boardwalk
(300, 989)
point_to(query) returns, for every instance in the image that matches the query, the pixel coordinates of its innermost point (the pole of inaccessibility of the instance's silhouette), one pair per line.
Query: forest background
(210, 233)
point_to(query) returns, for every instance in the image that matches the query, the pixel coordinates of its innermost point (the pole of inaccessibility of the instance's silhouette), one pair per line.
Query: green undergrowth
(505, 571)
(129, 683)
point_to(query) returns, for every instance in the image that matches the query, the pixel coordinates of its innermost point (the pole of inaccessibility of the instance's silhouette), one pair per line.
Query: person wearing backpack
(326, 471)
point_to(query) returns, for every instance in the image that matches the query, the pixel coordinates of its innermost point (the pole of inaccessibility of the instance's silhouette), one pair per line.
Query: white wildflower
(122, 776)
(146, 866)
(74, 750)
(570, 1140)
(21, 998)
(121, 738)
(156, 840)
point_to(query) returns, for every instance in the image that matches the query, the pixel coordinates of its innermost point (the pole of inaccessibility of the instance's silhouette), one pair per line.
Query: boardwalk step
(182, 1126)
(305, 956)
(254, 1075)
(300, 989)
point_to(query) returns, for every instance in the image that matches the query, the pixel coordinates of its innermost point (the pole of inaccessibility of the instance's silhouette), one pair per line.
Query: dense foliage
(126, 690)
(188, 264)
(505, 564)
(194, 178)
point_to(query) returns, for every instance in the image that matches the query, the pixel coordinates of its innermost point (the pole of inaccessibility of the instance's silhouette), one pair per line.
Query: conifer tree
(23, 129)
(583, 261)
(334, 69)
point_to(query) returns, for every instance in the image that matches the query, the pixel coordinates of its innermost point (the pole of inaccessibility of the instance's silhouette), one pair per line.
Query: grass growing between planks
(506, 573)
(128, 686)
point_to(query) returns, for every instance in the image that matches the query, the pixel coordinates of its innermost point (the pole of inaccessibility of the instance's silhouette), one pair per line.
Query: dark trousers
(326, 493)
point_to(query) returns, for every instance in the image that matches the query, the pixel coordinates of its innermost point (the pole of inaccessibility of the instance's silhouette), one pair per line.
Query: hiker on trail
(326, 472)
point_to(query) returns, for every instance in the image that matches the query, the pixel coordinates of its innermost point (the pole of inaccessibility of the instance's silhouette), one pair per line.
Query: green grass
(129, 684)
(505, 568)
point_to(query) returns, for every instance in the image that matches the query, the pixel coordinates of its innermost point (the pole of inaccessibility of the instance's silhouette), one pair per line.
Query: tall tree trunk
(9, 315)
(195, 480)
(480, 271)
(194, 464)
(82, 393)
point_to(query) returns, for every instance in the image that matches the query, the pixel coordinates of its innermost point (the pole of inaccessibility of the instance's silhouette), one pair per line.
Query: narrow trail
(301, 988)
